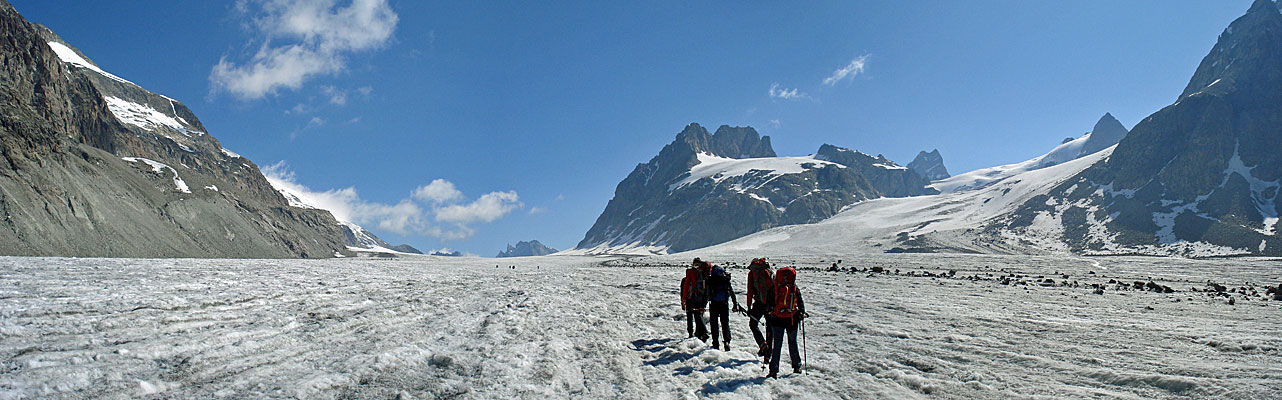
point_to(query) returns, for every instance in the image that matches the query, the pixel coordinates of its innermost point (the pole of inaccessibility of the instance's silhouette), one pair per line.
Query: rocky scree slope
(94, 165)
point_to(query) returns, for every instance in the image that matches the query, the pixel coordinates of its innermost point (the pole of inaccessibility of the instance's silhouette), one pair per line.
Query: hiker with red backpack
(761, 295)
(720, 294)
(694, 299)
(787, 313)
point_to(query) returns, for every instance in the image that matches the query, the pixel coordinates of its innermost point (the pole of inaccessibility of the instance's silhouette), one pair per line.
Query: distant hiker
(787, 312)
(720, 294)
(694, 299)
(761, 295)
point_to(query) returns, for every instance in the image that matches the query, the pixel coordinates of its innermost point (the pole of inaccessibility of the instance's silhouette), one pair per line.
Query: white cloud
(336, 96)
(855, 67)
(785, 93)
(774, 123)
(439, 191)
(301, 39)
(405, 217)
(315, 122)
(488, 208)
(537, 210)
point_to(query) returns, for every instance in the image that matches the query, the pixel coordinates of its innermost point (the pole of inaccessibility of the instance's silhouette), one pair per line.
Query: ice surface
(984, 177)
(583, 327)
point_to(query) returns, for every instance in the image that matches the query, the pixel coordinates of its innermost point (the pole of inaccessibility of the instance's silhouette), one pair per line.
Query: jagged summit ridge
(526, 249)
(929, 165)
(728, 142)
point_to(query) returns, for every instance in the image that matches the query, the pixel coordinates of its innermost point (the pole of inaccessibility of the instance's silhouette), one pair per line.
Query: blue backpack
(719, 285)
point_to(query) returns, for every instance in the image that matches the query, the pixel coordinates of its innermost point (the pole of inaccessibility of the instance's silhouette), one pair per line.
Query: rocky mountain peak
(1198, 177)
(727, 141)
(1263, 6)
(1108, 131)
(929, 165)
(526, 249)
(1250, 49)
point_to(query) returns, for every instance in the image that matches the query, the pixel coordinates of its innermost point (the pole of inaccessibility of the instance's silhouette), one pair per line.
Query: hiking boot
(772, 375)
(715, 345)
(727, 347)
(796, 370)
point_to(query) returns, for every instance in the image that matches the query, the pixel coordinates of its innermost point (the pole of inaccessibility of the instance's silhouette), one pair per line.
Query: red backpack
(785, 293)
(694, 290)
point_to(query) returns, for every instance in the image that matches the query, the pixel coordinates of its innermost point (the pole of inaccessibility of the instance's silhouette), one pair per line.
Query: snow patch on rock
(159, 167)
(144, 116)
(69, 56)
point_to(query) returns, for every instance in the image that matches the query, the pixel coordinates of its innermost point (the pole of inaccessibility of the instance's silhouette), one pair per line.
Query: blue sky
(527, 114)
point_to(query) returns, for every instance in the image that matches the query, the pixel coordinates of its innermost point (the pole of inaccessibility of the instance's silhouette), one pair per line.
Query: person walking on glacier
(760, 296)
(694, 299)
(787, 313)
(720, 294)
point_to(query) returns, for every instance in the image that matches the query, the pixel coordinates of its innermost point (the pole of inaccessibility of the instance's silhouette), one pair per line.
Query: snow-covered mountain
(706, 188)
(955, 221)
(1110, 132)
(1200, 177)
(94, 165)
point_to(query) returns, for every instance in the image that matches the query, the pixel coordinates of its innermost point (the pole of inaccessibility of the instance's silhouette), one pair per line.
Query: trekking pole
(805, 364)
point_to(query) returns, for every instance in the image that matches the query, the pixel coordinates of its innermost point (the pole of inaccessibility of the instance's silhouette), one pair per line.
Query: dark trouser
(720, 318)
(776, 339)
(754, 320)
(694, 324)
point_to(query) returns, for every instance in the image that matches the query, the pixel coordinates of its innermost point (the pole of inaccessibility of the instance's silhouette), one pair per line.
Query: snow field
(558, 327)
